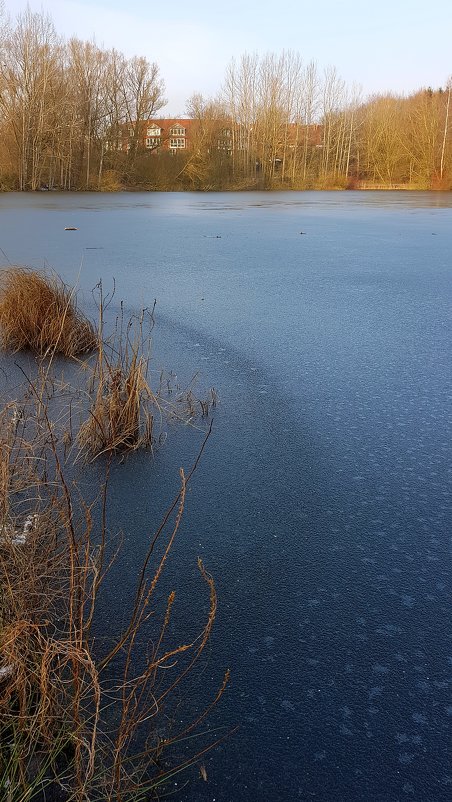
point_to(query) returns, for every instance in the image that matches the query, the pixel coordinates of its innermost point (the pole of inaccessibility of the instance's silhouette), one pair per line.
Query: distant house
(165, 134)
(179, 134)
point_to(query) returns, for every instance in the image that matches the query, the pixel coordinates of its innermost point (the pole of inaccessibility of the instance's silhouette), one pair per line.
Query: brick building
(172, 134)
(179, 134)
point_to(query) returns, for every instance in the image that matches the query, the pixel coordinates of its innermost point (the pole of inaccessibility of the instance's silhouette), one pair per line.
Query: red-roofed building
(181, 134)
(172, 134)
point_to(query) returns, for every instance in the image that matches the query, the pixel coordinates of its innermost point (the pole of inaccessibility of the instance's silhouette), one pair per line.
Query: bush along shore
(85, 717)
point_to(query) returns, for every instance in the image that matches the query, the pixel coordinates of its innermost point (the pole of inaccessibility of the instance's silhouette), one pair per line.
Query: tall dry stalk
(121, 415)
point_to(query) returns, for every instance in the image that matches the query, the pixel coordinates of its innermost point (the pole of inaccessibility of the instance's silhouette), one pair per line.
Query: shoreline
(210, 190)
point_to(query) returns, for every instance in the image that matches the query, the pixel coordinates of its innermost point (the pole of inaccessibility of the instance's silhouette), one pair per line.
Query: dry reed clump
(122, 405)
(125, 413)
(121, 416)
(39, 312)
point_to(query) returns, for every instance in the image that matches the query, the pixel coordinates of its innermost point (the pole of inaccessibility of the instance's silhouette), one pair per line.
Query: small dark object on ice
(302, 232)
(71, 228)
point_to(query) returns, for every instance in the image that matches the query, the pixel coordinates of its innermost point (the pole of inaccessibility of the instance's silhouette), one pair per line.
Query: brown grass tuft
(40, 313)
(125, 413)
(120, 416)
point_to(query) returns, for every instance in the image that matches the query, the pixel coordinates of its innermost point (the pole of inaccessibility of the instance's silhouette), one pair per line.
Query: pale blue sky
(397, 45)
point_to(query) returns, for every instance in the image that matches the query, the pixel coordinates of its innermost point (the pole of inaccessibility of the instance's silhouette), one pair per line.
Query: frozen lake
(322, 505)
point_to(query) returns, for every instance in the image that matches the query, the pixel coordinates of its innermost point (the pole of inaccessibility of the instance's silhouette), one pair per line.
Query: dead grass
(84, 718)
(125, 412)
(122, 405)
(39, 312)
(121, 415)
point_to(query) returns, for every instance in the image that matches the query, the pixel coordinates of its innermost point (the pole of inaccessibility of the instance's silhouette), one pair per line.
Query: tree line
(73, 116)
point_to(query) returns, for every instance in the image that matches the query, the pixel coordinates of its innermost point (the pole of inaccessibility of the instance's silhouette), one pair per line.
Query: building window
(177, 142)
(154, 131)
(152, 141)
(178, 130)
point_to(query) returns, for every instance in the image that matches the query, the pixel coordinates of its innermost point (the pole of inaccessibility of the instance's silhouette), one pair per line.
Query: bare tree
(143, 96)
(240, 98)
(30, 78)
(86, 76)
(446, 127)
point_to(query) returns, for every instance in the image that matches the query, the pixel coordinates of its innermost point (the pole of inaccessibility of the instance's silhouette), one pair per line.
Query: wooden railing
(371, 185)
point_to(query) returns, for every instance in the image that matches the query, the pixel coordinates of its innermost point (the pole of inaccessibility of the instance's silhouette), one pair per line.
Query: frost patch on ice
(9, 535)
(6, 671)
